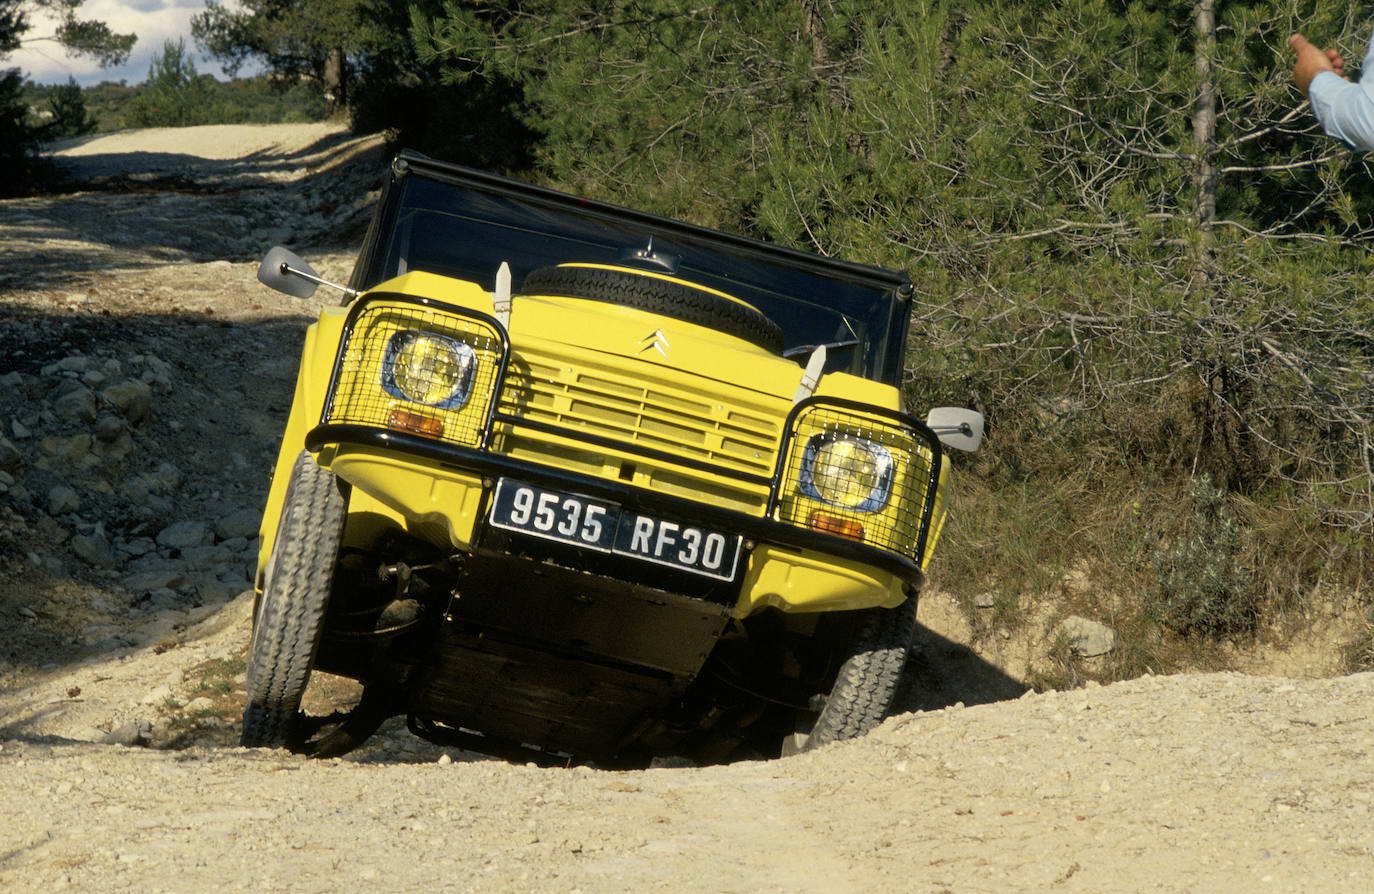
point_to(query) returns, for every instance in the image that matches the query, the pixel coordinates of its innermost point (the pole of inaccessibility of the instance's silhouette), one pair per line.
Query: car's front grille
(688, 436)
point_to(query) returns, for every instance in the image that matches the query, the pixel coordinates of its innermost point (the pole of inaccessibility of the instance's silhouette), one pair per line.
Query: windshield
(466, 224)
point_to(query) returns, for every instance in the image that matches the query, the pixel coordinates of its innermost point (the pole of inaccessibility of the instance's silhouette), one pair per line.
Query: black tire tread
(290, 620)
(678, 300)
(868, 680)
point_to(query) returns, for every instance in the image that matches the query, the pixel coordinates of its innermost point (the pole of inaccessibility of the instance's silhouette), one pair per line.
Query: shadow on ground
(205, 447)
(120, 169)
(942, 672)
(137, 210)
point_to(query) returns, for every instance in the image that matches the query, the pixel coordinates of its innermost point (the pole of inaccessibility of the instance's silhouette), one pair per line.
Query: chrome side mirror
(956, 427)
(285, 272)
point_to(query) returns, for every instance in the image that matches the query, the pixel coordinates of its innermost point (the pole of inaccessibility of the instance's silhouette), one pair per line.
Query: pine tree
(172, 95)
(1113, 212)
(70, 117)
(83, 37)
(322, 40)
(19, 135)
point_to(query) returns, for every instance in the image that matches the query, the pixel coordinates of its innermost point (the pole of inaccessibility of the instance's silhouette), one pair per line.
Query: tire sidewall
(288, 621)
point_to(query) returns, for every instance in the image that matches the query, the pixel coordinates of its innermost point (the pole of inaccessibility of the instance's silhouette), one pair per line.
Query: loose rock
(240, 523)
(184, 535)
(11, 460)
(94, 549)
(1086, 637)
(133, 733)
(62, 500)
(132, 398)
(76, 404)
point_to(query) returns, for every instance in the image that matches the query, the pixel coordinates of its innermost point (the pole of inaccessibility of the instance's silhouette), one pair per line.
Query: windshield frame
(789, 285)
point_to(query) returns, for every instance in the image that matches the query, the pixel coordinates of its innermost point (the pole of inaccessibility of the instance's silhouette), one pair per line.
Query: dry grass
(1113, 523)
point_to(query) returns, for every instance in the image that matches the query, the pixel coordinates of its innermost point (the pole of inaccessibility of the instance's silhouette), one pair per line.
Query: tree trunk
(1205, 127)
(335, 81)
(1221, 431)
(813, 29)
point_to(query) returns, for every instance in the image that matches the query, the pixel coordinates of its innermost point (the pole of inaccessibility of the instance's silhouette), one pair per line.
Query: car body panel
(481, 440)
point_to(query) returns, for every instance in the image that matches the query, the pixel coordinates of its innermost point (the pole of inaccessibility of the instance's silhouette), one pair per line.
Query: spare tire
(669, 297)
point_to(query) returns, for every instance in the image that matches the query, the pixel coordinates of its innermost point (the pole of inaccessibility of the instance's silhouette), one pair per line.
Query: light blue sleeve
(1346, 109)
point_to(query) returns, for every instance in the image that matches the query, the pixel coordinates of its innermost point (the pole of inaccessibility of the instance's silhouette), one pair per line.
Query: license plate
(609, 528)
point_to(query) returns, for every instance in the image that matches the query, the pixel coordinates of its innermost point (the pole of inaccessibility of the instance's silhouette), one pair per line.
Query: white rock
(212, 590)
(201, 557)
(157, 696)
(138, 546)
(94, 549)
(1088, 638)
(157, 373)
(88, 734)
(135, 732)
(166, 478)
(76, 364)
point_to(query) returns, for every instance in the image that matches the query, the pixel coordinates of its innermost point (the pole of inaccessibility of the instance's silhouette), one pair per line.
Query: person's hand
(1312, 61)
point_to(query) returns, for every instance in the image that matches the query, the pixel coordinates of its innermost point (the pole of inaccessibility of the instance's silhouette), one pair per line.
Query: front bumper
(445, 491)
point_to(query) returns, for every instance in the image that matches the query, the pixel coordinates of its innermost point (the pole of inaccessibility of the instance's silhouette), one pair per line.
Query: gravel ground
(147, 378)
(1202, 783)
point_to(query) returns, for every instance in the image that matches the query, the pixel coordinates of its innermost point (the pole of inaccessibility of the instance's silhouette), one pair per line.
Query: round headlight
(428, 368)
(847, 472)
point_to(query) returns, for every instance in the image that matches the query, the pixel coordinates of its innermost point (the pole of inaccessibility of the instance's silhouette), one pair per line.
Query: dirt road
(146, 378)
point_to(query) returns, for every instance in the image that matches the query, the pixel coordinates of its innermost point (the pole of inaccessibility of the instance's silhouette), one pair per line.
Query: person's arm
(1344, 109)
(1312, 61)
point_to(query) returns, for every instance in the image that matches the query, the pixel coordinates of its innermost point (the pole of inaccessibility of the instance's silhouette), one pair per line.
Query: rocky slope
(145, 379)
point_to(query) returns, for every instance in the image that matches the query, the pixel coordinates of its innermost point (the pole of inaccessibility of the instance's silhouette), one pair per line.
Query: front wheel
(290, 616)
(867, 682)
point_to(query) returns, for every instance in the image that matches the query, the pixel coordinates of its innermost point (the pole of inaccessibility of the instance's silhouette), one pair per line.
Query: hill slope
(147, 378)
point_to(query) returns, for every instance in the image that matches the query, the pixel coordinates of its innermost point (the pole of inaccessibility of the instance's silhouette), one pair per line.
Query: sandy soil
(216, 142)
(1185, 783)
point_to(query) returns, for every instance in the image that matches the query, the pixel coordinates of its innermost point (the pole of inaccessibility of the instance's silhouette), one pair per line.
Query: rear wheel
(867, 683)
(295, 597)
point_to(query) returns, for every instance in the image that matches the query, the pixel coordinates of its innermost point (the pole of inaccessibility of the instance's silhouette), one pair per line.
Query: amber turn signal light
(404, 420)
(834, 524)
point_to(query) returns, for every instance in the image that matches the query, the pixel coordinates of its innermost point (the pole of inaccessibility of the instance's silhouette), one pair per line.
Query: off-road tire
(869, 678)
(679, 300)
(290, 616)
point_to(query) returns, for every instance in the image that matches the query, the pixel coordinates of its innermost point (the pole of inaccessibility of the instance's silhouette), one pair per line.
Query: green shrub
(1202, 584)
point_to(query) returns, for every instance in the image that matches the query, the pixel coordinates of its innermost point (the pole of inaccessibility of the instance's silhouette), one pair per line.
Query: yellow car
(568, 478)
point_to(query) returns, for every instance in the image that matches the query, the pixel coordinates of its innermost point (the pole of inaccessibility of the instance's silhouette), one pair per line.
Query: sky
(154, 21)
